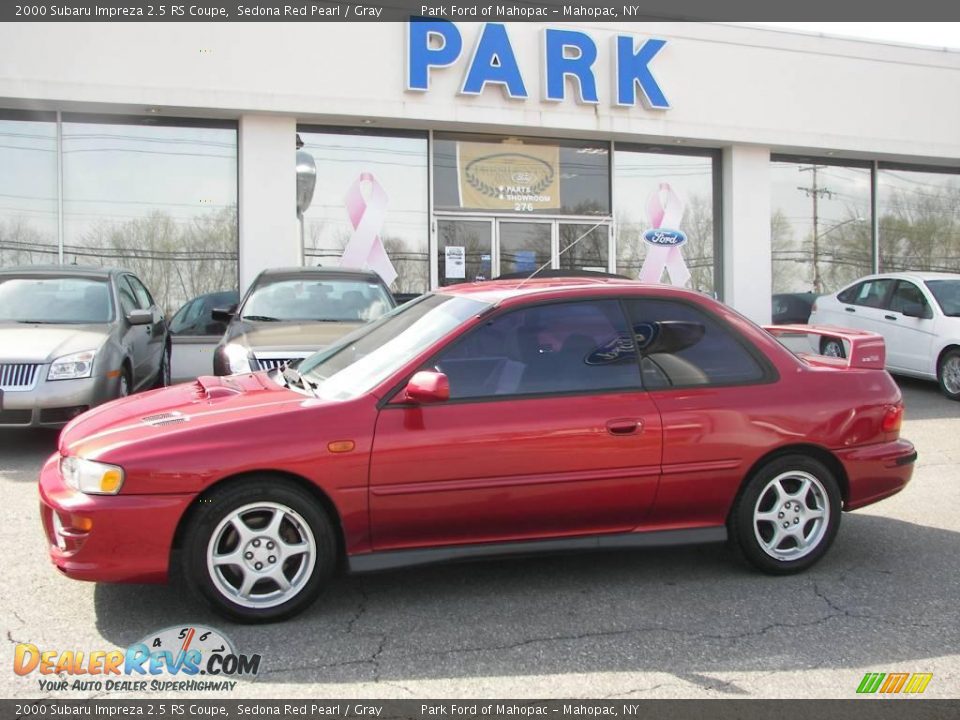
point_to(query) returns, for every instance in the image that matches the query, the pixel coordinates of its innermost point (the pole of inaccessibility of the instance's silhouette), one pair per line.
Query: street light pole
(815, 192)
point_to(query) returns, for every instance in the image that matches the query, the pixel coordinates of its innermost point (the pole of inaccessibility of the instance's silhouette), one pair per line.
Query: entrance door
(478, 248)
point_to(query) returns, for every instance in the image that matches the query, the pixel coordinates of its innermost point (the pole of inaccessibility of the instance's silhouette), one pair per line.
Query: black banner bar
(509, 11)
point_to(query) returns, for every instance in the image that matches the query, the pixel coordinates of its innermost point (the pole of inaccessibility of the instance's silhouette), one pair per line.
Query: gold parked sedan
(74, 337)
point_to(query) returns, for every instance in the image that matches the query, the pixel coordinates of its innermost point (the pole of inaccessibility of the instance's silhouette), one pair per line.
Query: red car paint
(432, 475)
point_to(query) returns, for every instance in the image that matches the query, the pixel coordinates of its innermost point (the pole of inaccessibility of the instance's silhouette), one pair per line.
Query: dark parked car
(290, 313)
(195, 334)
(74, 337)
(792, 308)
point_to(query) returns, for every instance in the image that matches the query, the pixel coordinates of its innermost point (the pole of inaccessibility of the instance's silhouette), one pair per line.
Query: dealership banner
(508, 176)
(324, 709)
(520, 10)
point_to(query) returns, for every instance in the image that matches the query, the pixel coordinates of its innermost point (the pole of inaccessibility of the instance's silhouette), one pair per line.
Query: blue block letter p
(421, 56)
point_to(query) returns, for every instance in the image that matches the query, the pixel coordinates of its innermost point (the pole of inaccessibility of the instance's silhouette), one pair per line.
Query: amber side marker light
(81, 523)
(892, 419)
(341, 446)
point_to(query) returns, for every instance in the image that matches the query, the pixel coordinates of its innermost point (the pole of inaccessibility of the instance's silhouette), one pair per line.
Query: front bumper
(125, 538)
(54, 403)
(875, 472)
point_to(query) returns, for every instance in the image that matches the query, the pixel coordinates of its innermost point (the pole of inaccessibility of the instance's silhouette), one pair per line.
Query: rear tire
(258, 550)
(832, 347)
(948, 374)
(787, 515)
(163, 374)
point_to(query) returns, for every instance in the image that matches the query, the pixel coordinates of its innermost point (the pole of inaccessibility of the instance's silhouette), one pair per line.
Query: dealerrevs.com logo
(181, 658)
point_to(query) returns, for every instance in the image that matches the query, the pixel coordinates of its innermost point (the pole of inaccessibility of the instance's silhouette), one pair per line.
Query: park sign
(566, 54)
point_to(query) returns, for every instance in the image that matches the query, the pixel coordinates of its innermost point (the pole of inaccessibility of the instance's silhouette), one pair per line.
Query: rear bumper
(877, 471)
(130, 538)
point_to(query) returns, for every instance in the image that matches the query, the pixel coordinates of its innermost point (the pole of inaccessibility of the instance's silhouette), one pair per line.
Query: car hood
(300, 337)
(207, 404)
(43, 343)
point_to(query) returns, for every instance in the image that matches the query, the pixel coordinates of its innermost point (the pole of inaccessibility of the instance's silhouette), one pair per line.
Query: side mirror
(140, 317)
(427, 387)
(223, 314)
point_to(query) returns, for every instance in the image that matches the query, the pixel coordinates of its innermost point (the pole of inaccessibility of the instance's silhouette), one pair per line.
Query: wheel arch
(289, 478)
(943, 352)
(814, 451)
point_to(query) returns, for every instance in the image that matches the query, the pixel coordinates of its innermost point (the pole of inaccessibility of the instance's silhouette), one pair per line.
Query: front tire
(258, 550)
(948, 374)
(163, 373)
(787, 515)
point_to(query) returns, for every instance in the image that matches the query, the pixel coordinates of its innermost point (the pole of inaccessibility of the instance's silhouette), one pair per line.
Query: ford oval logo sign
(662, 237)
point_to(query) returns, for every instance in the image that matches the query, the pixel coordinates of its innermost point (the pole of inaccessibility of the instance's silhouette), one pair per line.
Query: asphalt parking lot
(665, 623)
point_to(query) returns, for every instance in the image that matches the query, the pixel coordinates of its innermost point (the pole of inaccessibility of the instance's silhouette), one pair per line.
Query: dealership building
(738, 161)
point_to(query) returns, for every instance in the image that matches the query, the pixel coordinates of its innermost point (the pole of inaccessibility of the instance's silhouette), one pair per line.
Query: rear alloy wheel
(259, 551)
(123, 387)
(831, 347)
(787, 515)
(949, 374)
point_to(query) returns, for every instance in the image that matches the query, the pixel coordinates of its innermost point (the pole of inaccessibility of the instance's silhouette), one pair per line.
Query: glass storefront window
(520, 175)
(158, 198)
(919, 221)
(655, 191)
(820, 225)
(28, 189)
(465, 250)
(377, 179)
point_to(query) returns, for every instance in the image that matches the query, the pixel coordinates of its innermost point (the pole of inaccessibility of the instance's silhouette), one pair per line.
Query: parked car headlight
(238, 358)
(73, 366)
(91, 477)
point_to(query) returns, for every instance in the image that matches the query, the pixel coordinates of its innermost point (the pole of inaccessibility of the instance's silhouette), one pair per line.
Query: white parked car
(918, 314)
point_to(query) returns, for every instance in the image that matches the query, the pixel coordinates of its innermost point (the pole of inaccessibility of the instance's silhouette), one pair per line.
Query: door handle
(624, 426)
(849, 309)
(889, 317)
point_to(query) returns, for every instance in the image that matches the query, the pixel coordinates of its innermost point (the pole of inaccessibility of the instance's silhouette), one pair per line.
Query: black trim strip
(907, 459)
(390, 559)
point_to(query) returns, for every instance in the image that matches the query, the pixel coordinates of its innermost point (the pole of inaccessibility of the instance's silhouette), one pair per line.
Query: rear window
(64, 300)
(306, 299)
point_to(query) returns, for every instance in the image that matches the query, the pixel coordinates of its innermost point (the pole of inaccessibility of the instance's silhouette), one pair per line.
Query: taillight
(892, 419)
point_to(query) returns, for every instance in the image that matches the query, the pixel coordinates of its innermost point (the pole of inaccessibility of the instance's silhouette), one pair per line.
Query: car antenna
(542, 267)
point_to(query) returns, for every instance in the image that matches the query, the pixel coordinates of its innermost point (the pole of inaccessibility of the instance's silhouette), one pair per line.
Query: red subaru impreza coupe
(483, 420)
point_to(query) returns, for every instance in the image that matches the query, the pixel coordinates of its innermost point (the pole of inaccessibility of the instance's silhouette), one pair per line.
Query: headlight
(237, 357)
(91, 477)
(72, 367)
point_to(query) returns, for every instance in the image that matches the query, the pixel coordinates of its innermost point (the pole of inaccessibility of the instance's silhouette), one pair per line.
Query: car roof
(912, 275)
(321, 272)
(498, 291)
(65, 270)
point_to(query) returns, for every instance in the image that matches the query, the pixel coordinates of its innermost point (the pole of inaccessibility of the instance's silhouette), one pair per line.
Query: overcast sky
(944, 34)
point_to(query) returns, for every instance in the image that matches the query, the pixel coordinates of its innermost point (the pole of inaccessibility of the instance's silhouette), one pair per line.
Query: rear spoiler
(864, 350)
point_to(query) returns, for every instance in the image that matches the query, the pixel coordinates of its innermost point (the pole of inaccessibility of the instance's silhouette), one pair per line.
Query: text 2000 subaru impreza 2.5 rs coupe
(490, 419)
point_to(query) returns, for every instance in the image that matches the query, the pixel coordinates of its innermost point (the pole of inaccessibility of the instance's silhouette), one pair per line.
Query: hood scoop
(210, 388)
(167, 418)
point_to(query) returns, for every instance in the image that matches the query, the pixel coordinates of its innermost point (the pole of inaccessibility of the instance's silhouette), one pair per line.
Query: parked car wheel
(787, 515)
(258, 551)
(831, 347)
(125, 384)
(948, 373)
(163, 374)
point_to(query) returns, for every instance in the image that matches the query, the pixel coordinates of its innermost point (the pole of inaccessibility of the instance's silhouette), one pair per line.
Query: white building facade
(738, 161)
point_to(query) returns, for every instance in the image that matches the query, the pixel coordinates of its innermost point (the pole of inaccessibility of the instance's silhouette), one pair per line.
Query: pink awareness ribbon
(365, 249)
(665, 213)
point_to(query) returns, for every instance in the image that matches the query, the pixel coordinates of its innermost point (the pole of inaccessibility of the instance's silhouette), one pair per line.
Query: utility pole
(815, 192)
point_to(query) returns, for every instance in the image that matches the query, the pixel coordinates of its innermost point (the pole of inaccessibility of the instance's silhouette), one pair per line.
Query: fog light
(78, 522)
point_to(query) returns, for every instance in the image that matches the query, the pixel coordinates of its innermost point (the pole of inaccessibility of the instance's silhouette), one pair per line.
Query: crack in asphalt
(844, 612)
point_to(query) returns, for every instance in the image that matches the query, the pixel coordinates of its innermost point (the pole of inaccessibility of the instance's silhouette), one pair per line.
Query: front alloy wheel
(949, 375)
(257, 550)
(787, 515)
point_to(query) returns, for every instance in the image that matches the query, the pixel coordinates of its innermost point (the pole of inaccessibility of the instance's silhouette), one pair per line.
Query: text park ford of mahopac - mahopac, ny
(494, 418)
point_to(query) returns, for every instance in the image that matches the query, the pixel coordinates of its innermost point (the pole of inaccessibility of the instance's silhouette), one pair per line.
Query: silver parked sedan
(74, 337)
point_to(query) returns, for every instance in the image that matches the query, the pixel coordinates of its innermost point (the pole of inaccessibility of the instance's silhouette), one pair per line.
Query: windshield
(65, 300)
(367, 357)
(947, 293)
(330, 300)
